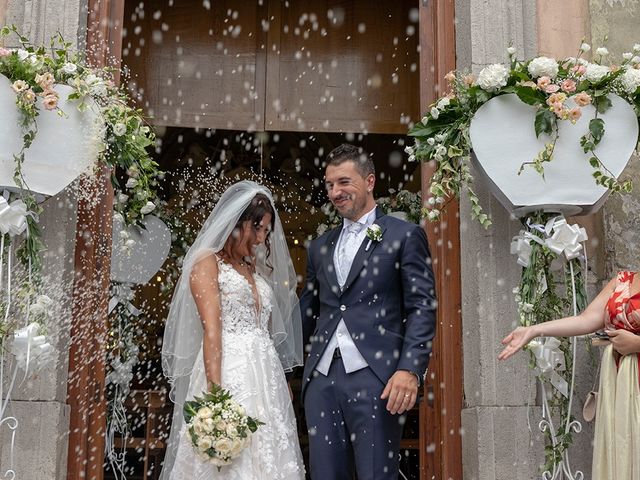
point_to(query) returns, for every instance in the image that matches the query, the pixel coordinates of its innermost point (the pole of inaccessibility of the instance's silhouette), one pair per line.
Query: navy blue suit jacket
(388, 301)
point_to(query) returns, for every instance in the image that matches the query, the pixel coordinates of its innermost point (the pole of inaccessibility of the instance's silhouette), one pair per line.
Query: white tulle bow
(29, 348)
(13, 217)
(549, 361)
(560, 238)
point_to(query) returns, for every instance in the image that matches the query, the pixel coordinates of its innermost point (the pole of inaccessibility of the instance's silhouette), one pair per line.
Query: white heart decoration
(145, 257)
(503, 138)
(64, 147)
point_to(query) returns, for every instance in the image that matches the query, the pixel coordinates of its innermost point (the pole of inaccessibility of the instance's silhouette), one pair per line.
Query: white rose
(493, 77)
(223, 446)
(425, 120)
(231, 431)
(602, 51)
(408, 150)
(132, 182)
(630, 80)
(595, 73)
(221, 425)
(435, 113)
(208, 424)
(23, 54)
(118, 217)
(636, 47)
(431, 140)
(148, 208)
(119, 129)
(122, 198)
(69, 68)
(91, 79)
(543, 67)
(627, 55)
(236, 447)
(130, 243)
(443, 102)
(204, 443)
(635, 59)
(585, 47)
(511, 50)
(321, 229)
(441, 150)
(412, 158)
(204, 412)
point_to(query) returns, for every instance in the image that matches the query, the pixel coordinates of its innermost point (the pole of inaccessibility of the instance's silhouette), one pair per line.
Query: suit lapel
(329, 267)
(363, 254)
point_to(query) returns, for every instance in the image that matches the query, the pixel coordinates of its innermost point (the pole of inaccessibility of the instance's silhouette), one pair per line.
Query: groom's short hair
(351, 153)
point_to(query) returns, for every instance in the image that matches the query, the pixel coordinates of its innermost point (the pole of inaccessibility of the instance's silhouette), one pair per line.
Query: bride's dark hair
(260, 205)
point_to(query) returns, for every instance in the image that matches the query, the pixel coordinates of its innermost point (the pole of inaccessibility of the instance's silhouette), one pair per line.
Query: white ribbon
(13, 217)
(549, 361)
(561, 238)
(123, 293)
(29, 347)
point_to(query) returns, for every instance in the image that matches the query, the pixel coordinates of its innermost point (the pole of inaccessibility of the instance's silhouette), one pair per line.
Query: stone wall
(39, 403)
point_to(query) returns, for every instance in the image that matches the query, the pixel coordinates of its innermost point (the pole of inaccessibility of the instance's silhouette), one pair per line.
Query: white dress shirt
(351, 237)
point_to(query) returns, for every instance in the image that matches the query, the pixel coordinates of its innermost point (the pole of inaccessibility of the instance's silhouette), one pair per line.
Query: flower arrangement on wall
(581, 118)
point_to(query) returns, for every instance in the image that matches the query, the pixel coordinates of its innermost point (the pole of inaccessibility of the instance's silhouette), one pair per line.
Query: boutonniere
(374, 234)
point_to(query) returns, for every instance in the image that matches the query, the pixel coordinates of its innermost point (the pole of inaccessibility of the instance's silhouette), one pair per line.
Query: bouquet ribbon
(123, 293)
(13, 217)
(550, 360)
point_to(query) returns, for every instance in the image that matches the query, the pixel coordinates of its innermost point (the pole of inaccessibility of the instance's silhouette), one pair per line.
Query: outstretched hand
(402, 392)
(516, 340)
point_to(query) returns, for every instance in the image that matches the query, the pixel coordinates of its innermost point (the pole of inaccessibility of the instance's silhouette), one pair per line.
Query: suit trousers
(350, 427)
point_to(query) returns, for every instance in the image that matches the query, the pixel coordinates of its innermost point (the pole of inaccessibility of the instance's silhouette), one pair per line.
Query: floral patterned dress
(616, 453)
(252, 372)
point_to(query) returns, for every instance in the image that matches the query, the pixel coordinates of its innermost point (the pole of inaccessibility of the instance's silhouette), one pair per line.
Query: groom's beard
(353, 211)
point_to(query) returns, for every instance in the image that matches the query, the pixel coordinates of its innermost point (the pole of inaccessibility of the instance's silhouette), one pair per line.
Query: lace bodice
(239, 312)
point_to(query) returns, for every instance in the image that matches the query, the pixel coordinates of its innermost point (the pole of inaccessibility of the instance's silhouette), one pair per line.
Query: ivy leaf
(529, 95)
(544, 121)
(602, 103)
(596, 128)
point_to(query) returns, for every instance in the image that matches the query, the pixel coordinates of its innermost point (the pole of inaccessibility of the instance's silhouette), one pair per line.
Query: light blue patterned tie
(348, 248)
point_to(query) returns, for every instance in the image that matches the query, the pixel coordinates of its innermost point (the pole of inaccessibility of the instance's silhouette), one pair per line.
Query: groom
(368, 312)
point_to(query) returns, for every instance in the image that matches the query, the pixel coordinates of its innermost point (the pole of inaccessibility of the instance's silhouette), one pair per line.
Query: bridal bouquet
(218, 426)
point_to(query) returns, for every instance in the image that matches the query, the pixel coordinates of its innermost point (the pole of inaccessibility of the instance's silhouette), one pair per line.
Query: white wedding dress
(252, 372)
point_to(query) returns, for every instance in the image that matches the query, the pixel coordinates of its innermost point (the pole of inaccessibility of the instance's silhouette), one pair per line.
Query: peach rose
(575, 114)
(29, 96)
(582, 99)
(544, 82)
(4, 52)
(558, 98)
(568, 86)
(50, 102)
(450, 77)
(559, 110)
(45, 80)
(469, 80)
(553, 88)
(20, 86)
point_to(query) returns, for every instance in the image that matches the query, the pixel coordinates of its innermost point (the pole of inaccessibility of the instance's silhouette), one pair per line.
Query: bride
(234, 321)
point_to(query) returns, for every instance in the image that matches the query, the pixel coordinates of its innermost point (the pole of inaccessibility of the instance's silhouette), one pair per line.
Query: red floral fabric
(623, 308)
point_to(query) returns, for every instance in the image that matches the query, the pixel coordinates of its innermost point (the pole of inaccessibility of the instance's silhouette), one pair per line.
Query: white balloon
(64, 147)
(503, 138)
(139, 263)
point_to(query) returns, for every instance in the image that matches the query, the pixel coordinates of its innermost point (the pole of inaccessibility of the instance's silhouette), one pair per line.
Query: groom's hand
(402, 392)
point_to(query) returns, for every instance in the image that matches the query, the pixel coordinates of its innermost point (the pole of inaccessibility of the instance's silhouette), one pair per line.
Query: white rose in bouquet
(543, 67)
(204, 412)
(493, 77)
(223, 445)
(205, 443)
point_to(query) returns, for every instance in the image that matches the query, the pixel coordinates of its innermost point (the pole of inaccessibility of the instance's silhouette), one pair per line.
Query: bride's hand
(516, 340)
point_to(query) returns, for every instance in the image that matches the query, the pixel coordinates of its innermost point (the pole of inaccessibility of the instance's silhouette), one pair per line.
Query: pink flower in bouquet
(450, 77)
(45, 80)
(469, 80)
(579, 70)
(50, 101)
(29, 96)
(544, 82)
(552, 88)
(4, 52)
(559, 109)
(582, 99)
(568, 85)
(575, 114)
(556, 98)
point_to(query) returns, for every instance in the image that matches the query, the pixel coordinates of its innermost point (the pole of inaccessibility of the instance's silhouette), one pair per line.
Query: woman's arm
(589, 321)
(206, 293)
